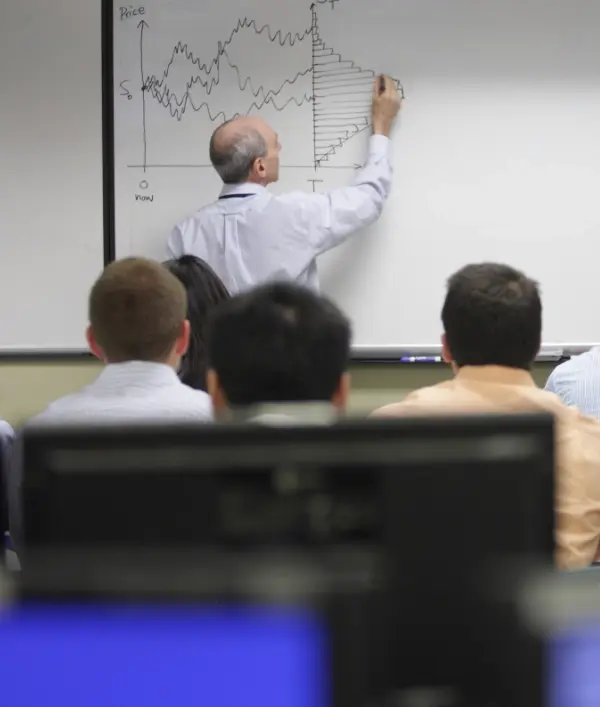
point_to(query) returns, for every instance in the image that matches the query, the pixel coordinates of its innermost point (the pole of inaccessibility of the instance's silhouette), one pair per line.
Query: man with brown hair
(138, 328)
(492, 319)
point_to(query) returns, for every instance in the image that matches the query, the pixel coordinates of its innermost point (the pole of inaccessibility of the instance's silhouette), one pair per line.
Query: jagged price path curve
(340, 98)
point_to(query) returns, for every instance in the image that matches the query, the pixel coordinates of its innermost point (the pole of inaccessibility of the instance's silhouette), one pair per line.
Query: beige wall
(26, 388)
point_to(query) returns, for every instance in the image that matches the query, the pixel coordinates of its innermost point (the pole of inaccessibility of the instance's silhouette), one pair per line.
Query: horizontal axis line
(206, 166)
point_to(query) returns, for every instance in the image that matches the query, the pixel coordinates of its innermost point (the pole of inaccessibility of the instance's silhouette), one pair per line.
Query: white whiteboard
(51, 200)
(497, 153)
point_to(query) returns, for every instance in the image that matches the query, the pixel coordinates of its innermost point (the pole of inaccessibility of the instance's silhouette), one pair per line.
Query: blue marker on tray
(421, 359)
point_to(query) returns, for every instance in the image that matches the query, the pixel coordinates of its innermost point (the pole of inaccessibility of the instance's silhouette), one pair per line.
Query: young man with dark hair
(138, 328)
(279, 344)
(492, 319)
(492, 315)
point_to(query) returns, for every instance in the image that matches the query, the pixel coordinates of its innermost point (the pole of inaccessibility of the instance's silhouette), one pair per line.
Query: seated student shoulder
(577, 382)
(492, 322)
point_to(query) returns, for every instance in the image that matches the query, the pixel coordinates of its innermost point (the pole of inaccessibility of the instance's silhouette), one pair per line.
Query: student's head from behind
(245, 149)
(204, 291)
(492, 315)
(137, 312)
(278, 343)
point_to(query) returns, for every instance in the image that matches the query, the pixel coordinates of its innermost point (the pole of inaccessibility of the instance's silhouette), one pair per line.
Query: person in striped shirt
(577, 382)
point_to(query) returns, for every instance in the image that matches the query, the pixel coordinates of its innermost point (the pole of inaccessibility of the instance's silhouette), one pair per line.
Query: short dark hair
(279, 343)
(233, 159)
(205, 290)
(492, 315)
(136, 310)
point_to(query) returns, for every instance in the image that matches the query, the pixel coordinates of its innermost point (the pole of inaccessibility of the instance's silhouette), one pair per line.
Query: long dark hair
(204, 291)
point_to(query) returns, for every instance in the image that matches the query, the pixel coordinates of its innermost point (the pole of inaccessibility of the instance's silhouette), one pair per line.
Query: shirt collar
(137, 373)
(502, 375)
(243, 188)
(309, 413)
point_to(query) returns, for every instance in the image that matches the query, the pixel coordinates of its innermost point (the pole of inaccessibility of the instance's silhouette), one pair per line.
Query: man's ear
(213, 388)
(446, 353)
(183, 340)
(260, 168)
(341, 396)
(93, 345)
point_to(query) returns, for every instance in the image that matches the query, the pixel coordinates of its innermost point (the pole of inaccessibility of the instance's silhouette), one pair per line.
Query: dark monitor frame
(216, 452)
(352, 582)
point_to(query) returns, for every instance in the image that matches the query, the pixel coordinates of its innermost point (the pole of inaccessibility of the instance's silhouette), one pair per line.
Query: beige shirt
(495, 389)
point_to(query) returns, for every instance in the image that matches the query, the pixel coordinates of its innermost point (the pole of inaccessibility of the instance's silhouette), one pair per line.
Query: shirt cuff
(379, 145)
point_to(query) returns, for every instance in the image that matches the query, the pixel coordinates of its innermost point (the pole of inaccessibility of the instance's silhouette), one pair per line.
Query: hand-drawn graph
(336, 90)
(209, 76)
(342, 97)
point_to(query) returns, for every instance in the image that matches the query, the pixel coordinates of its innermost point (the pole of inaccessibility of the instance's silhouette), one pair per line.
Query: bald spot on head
(236, 144)
(232, 130)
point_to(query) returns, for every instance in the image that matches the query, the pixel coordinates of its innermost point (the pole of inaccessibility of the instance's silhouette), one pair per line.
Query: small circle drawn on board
(143, 184)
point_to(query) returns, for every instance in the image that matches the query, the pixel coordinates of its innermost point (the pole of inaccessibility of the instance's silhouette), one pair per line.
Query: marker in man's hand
(381, 83)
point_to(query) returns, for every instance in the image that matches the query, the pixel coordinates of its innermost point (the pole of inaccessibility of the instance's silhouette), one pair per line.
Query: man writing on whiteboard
(249, 236)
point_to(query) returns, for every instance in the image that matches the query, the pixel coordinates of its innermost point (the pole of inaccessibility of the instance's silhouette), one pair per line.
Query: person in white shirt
(138, 327)
(249, 236)
(279, 354)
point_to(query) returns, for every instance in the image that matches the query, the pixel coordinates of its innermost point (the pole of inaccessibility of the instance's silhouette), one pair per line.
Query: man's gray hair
(234, 158)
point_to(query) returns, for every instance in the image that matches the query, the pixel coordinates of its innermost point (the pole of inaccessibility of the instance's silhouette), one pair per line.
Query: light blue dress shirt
(577, 382)
(259, 237)
(132, 392)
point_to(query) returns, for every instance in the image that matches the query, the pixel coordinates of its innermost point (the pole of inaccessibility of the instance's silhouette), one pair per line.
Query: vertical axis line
(141, 25)
(313, 28)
